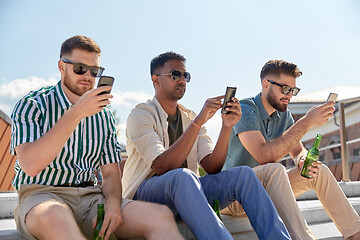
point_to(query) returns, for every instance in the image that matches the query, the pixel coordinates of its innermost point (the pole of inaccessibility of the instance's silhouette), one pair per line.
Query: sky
(225, 43)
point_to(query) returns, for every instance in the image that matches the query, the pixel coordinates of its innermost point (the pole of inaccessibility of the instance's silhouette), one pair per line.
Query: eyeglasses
(286, 89)
(81, 69)
(176, 75)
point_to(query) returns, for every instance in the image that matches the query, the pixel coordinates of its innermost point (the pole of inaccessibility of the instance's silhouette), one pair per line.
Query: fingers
(110, 223)
(219, 97)
(314, 169)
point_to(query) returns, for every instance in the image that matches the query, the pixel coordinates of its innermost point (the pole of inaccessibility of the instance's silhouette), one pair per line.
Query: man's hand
(112, 218)
(319, 115)
(91, 102)
(313, 169)
(208, 110)
(234, 113)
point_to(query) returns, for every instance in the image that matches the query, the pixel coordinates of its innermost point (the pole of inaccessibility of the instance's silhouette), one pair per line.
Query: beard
(180, 90)
(74, 88)
(270, 97)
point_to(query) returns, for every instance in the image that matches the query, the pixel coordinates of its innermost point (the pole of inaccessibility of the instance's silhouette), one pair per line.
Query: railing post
(344, 147)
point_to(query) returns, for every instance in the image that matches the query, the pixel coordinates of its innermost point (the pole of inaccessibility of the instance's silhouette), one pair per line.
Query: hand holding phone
(230, 93)
(332, 97)
(105, 81)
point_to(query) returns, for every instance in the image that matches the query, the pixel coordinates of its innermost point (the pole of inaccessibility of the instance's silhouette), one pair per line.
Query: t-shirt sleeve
(112, 150)
(26, 127)
(250, 119)
(290, 120)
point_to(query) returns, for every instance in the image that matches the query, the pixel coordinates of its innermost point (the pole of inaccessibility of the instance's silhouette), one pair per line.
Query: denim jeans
(192, 198)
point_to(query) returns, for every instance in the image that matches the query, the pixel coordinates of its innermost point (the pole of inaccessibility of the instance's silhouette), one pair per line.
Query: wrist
(74, 113)
(198, 122)
(195, 124)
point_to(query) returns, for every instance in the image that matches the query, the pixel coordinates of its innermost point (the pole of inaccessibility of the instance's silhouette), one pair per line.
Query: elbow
(29, 168)
(264, 159)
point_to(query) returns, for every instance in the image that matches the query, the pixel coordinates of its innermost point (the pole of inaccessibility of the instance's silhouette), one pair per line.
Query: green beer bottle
(216, 208)
(99, 222)
(312, 156)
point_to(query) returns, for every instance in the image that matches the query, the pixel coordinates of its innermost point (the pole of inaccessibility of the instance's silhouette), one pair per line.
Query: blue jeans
(188, 195)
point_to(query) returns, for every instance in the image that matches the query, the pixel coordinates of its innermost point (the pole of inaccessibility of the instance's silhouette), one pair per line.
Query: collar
(61, 97)
(164, 114)
(263, 113)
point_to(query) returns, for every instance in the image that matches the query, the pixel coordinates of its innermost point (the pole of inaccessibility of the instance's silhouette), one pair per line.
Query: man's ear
(264, 83)
(61, 66)
(155, 79)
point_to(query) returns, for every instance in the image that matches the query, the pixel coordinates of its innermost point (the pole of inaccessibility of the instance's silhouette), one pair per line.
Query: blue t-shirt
(254, 118)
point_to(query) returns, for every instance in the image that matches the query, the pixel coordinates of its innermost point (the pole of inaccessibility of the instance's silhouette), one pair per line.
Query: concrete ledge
(351, 189)
(8, 202)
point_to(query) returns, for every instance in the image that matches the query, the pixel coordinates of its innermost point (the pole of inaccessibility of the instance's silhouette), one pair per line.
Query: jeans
(188, 195)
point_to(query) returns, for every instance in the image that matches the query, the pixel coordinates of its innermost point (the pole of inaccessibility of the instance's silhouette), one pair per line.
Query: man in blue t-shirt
(266, 132)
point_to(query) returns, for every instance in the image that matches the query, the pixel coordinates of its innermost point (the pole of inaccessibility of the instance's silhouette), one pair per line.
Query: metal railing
(343, 138)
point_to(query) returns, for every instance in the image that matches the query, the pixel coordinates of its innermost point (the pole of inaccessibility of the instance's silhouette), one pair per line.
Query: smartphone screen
(105, 81)
(332, 97)
(230, 92)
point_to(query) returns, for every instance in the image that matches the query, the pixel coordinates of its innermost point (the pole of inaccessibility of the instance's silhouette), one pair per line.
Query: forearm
(112, 188)
(37, 155)
(214, 163)
(277, 148)
(174, 157)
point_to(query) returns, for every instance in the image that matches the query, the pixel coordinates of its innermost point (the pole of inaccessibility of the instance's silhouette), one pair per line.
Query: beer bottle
(99, 222)
(216, 208)
(312, 156)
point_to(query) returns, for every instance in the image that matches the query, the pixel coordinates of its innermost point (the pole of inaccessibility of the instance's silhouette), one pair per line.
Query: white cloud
(12, 91)
(129, 99)
(19, 87)
(121, 133)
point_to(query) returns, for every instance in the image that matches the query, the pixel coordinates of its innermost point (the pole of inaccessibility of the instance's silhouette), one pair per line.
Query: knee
(49, 213)
(276, 169)
(183, 175)
(324, 171)
(164, 214)
(243, 171)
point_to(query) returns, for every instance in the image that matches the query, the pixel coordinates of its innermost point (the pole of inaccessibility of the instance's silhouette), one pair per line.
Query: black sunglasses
(81, 69)
(286, 89)
(176, 75)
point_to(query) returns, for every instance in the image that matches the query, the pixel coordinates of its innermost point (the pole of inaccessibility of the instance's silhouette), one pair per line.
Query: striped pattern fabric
(93, 143)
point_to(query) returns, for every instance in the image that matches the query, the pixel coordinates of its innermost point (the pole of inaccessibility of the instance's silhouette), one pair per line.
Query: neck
(268, 108)
(73, 98)
(168, 105)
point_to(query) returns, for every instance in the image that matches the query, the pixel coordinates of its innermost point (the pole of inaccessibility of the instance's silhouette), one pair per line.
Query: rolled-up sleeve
(26, 125)
(112, 149)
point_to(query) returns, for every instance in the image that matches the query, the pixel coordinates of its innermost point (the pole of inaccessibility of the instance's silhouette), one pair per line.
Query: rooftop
(344, 92)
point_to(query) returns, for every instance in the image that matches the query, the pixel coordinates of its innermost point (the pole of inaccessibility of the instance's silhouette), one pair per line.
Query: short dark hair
(79, 42)
(159, 61)
(277, 67)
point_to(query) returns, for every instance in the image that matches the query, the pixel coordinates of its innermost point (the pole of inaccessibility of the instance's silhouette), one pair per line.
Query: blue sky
(225, 42)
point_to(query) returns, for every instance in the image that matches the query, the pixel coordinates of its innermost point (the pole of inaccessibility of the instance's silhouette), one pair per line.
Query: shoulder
(142, 111)
(37, 98)
(188, 112)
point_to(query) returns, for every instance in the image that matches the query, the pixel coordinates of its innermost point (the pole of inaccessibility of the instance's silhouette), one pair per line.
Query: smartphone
(332, 97)
(230, 92)
(105, 81)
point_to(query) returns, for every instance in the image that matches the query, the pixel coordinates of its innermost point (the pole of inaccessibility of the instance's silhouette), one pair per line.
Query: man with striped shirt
(61, 135)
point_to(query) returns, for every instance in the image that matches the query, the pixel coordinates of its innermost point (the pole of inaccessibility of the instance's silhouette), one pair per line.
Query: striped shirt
(93, 142)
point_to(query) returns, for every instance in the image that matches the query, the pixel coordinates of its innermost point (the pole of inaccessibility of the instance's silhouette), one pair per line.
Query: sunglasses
(81, 69)
(286, 89)
(176, 75)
